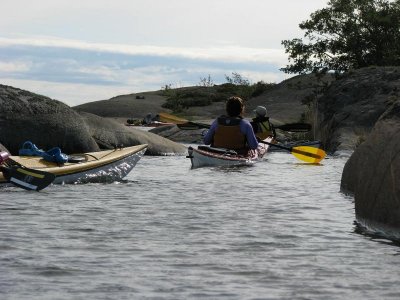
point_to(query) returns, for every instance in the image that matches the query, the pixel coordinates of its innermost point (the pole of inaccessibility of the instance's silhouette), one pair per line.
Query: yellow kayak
(101, 166)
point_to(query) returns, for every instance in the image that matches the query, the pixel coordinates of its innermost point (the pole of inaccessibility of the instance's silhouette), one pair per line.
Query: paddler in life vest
(262, 127)
(232, 131)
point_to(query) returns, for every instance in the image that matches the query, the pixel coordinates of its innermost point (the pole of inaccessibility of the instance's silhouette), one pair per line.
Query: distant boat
(151, 124)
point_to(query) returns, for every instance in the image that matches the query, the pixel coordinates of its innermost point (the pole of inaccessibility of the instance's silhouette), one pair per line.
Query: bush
(180, 99)
(260, 87)
(185, 99)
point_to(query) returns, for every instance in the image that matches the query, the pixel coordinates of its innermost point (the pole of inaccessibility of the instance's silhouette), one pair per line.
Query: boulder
(109, 133)
(174, 133)
(129, 106)
(48, 123)
(287, 102)
(349, 108)
(25, 116)
(372, 175)
(2, 148)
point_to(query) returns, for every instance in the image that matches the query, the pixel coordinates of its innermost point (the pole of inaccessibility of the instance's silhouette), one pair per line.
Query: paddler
(231, 131)
(262, 127)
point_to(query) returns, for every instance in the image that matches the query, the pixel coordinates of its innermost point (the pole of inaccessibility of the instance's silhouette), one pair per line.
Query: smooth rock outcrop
(48, 123)
(347, 111)
(25, 116)
(109, 133)
(3, 148)
(372, 175)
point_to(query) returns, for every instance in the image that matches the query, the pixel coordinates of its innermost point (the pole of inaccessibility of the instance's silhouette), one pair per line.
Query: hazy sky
(82, 51)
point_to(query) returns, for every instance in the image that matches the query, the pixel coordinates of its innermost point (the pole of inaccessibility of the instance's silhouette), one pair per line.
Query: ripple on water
(276, 230)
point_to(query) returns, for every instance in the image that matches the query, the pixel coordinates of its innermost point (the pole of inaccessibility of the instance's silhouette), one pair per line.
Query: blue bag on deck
(53, 155)
(30, 149)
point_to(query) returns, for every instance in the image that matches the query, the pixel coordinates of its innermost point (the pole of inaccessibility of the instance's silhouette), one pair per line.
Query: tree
(237, 79)
(206, 81)
(347, 34)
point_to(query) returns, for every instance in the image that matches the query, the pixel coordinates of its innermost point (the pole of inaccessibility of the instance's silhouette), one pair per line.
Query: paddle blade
(28, 179)
(168, 118)
(308, 154)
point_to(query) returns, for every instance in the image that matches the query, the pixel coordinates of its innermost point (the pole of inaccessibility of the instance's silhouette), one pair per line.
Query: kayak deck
(209, 156)
(94, 167)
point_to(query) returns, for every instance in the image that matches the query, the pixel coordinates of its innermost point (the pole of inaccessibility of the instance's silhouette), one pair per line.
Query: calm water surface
(276, 230)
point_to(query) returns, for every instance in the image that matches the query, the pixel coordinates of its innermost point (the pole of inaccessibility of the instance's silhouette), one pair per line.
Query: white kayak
(213, 157)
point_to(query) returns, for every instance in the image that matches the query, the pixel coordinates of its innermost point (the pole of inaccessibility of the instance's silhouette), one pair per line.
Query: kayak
(101, 166)
(214, 157)
(315, 144)
(152, 124)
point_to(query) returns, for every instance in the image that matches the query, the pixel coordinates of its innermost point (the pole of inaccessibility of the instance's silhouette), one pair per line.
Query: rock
(372, 175)
(350, 107)
(109, 133)
(284, 103)
(130, 106)
(172, 132)
(48, 123)
(287, 102)
(2, 148)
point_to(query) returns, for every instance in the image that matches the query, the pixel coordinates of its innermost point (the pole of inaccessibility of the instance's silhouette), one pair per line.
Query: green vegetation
(207, 92)
(348, 34)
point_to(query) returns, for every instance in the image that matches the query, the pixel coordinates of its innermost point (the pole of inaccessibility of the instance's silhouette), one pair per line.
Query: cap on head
(261, 111)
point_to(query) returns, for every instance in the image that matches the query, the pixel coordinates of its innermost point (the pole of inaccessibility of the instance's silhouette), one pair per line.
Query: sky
(88, 50)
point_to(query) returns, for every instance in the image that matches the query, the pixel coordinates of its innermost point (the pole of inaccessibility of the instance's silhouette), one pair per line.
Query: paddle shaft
(291, 149)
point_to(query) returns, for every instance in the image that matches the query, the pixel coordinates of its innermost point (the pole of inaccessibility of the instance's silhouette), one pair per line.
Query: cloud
(14, 67)
(76, 71)
(223, 53)
(70, 93)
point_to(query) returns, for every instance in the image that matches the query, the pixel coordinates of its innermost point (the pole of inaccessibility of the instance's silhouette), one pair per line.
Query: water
(276, 230)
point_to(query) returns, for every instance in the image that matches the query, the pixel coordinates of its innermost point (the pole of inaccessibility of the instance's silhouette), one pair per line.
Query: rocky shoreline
(358, 113)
